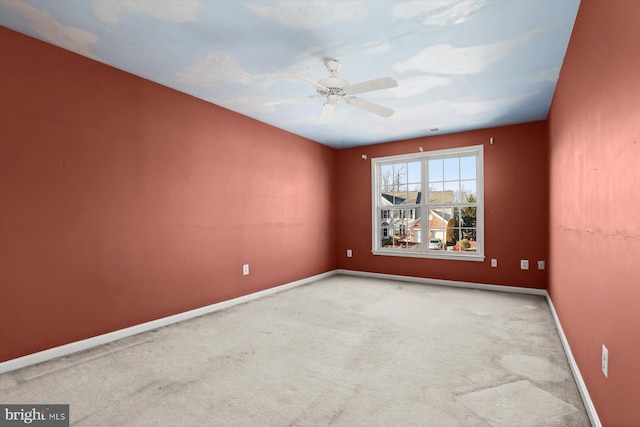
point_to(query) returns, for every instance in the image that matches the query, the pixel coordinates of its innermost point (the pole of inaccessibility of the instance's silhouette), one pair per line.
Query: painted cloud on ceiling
(460, 64)
(438, 12)
(447, 59)
(50, 29)
(310, 14)
(109, 11)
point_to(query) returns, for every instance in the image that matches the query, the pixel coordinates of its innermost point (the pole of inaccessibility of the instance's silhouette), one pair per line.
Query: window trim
(424, 252)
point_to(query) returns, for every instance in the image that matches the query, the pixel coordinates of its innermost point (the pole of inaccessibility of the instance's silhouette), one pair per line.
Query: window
(445, 189)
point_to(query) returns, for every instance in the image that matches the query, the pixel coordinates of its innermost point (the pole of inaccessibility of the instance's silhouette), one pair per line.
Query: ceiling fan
(336, 88)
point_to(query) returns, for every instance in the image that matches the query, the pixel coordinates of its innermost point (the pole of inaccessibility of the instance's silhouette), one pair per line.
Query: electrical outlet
(524, 264)
(349, 253)
(540, 265)
(245, 269)
(605, 361)
(494, 262)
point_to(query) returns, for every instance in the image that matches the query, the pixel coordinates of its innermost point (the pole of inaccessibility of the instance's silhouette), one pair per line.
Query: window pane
(467, 241)
(470, 235)
(415, 172)
(452, 169)
(399, 173)
(468, 190)
(417, 236)
(452, 192)
(435, 170)
(408, 198)
(386, 174)
(468, 216)
(468, 167)
(404, 229)
(401, 196)
(438, 220)
(436, 192)
(453, 225)
(386, 238)
(437, 229)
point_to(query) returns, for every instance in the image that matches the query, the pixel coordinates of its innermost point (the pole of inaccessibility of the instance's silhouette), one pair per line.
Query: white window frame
(424, 252)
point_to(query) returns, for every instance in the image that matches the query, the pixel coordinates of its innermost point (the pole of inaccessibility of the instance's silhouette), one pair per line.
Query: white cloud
(439, 12)
(247, 104)
(310, 118)
(221, 67)
(375, 48)
(550, 75)
(441, 113)
(445, 113)
(472, 108)
(312, 14)
(314, 50)
(447, 59)
(414, 86)
(43, 23)
(429, 111)
(217, 67)
(167, 10)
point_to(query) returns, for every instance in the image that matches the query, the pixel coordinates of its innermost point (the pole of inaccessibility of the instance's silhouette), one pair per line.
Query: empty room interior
(321, 212)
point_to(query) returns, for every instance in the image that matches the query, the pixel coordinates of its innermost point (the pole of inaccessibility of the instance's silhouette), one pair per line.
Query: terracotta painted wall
(594, 131)
(124, 201)
(516, 207)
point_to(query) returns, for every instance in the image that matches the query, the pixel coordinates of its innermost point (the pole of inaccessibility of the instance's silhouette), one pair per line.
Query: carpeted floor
(346, 351)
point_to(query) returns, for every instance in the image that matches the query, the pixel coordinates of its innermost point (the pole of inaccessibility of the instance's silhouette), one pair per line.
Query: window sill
(457, 256)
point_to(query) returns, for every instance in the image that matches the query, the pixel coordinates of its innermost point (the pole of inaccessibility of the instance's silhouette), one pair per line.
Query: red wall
(516, 204)
(124, 201)
(594, 132)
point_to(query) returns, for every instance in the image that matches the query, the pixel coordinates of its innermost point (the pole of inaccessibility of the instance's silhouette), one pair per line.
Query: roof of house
(415, 197)
(442, 214)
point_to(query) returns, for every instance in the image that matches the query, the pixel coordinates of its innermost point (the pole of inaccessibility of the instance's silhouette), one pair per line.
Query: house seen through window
(429, 204)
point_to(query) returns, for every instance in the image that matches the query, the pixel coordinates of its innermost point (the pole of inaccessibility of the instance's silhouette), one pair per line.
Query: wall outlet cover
(524, 264)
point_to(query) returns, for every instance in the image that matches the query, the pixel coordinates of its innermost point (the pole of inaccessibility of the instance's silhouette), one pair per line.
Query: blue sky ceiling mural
(460, 65)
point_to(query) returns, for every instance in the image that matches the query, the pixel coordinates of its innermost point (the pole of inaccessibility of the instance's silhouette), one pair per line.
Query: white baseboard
(64, 350)
(577, 376)
(442, 282)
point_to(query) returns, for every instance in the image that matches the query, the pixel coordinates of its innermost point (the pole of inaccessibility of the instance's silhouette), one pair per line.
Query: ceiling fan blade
(326, 113)
(284, 101)
(316, 85)
(371, 85)
(370, 106)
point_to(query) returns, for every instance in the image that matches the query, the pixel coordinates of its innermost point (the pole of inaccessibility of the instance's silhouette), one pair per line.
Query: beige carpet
(345, 351)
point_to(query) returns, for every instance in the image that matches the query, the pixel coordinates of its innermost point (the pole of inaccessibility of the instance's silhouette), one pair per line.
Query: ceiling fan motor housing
(335, 85)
